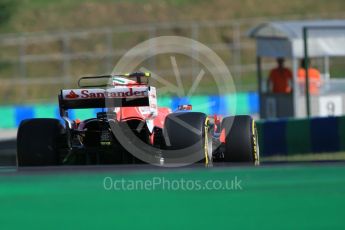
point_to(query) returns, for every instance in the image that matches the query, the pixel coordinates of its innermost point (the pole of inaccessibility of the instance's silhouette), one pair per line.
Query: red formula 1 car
(133, 129)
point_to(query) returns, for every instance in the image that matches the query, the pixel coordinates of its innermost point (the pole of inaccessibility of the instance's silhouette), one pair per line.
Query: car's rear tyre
(187, 133)
(38, 142)
(241, 141)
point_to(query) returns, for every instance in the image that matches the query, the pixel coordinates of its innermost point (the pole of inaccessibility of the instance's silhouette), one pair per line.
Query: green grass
(34, 4)
(32, 15)
(287, 197)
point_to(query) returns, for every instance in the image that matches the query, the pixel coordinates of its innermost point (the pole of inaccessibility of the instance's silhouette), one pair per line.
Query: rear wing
(122, 96)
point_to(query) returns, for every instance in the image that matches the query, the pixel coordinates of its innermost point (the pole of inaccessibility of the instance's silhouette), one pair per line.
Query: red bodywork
(129, 113)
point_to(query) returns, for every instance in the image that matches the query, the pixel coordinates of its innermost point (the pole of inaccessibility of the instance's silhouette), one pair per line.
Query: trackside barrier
(298, 136)
(246, 103)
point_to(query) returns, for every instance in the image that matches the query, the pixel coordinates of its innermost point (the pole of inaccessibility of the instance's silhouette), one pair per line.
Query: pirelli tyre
(187, 133)
(241, 141)
(38, 142)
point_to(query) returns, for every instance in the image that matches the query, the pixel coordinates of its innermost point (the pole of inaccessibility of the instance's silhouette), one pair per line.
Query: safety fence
(299, 136)
(34, 65)
(241, 103)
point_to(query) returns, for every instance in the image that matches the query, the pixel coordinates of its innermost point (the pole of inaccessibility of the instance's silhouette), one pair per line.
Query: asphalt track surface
(274, 196)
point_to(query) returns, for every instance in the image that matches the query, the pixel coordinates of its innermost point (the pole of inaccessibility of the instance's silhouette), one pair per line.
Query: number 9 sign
(330, 106)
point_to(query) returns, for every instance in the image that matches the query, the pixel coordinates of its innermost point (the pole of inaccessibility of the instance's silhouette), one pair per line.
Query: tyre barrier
(301, 136)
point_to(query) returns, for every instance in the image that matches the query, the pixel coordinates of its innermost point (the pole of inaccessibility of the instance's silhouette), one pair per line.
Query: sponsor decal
(122, 81)
(145, 110)
(72, 95)
(153, 106)
(101, 93)
(153, 101)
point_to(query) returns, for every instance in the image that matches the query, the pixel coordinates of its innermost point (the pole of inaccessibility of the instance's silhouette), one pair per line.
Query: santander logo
(72, 95)
(100, 93)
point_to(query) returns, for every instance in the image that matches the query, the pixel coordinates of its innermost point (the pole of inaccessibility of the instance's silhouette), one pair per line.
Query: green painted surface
(45, 111)
(83, 114)
(201, 104)
(241, 101)
(7, 119)
(164, 101)
(231, 104)
(298, 136)
(288, 197)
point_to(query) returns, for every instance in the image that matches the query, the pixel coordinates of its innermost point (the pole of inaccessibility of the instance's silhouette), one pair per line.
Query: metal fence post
(306, 67)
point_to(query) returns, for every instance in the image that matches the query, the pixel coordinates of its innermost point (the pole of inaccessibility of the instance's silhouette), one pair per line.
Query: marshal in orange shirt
(281, 80)
(314, 79)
